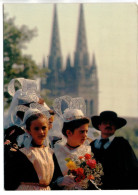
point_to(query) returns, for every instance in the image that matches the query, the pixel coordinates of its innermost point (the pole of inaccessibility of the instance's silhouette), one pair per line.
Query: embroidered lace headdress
(27, 94)
(34, 108)
(67, 109)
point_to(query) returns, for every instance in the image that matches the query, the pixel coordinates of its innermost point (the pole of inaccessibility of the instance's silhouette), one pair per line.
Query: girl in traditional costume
(32, 167)
(74, 128)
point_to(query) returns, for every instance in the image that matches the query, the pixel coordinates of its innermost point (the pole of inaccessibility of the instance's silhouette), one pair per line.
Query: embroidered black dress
(23, 171)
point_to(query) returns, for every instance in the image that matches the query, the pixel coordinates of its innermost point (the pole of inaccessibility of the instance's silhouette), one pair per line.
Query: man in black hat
(120, 164)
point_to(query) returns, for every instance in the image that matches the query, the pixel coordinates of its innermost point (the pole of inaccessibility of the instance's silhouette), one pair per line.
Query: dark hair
(20, 114)
(32, 118)
(72, 125)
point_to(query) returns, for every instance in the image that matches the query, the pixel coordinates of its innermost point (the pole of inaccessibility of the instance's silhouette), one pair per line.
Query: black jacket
(120, 165)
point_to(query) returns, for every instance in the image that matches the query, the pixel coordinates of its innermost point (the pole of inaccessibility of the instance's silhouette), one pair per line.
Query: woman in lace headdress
(24, 96)
(49, 140)
(74, 128)
(32, 168)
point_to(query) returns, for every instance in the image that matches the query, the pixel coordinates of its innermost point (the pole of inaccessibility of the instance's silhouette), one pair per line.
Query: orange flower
(87, 156)
(90, 177)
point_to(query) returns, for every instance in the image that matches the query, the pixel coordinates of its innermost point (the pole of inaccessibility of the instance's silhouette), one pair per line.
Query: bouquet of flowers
(85, 169)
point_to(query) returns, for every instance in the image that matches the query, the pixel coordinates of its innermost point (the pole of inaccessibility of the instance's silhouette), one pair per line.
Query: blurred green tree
(15, 63)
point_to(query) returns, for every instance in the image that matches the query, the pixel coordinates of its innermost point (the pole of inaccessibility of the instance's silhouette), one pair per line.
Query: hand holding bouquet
(85, 169)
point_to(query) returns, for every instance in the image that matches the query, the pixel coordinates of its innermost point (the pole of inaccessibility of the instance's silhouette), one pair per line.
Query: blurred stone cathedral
(79, 79)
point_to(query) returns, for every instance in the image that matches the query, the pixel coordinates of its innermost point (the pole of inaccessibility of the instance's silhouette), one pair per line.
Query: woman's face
(39, 130)
(77, 137)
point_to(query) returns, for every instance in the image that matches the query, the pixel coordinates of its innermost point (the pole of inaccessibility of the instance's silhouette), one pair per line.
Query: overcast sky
(111, 31)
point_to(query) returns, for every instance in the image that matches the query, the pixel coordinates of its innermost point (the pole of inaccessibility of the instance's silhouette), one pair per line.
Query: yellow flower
(67, 159)
(71, 165)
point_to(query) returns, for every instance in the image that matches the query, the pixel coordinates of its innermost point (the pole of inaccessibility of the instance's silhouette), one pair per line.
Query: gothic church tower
(79, 79)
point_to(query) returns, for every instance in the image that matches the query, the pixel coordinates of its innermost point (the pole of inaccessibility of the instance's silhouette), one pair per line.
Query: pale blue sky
(111, 30)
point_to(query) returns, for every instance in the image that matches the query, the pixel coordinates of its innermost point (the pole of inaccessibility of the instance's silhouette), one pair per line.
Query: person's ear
(69, 133)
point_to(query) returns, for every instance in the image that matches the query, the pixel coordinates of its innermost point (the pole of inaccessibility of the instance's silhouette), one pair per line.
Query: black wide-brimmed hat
(109, 116)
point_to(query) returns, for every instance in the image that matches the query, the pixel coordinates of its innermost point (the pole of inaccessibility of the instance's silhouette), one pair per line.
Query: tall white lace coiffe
(67, 109)
(27, 94)
(34, 108)
(66, 102)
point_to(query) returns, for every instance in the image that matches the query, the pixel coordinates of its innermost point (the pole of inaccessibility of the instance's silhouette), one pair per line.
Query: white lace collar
(62, 152)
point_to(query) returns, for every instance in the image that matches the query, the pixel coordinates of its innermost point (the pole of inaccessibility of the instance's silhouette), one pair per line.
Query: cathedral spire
(81, 37)
(81, 60)
(55, 41)
(55, 58)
